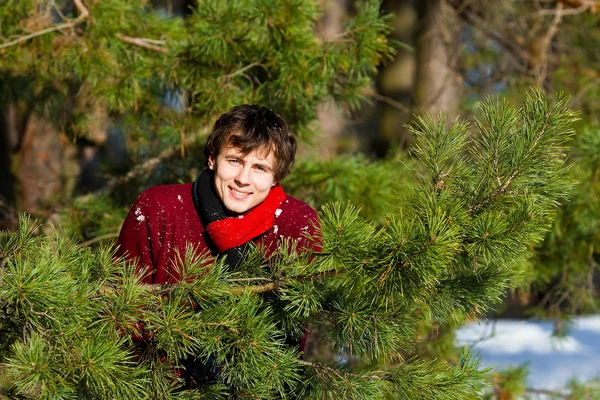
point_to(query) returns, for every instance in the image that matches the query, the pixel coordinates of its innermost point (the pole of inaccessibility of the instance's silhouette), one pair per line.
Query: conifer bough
(68, 314)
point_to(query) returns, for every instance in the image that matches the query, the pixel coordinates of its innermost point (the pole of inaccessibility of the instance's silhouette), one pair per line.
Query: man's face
(243, 181)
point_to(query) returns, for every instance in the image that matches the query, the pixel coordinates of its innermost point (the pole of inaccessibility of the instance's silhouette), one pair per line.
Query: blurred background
(101, 100)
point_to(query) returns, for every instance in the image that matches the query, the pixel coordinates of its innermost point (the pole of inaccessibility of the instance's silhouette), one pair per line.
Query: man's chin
(237, 208)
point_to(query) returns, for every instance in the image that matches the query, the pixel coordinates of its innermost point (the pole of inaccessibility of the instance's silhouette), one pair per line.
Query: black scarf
(210, 209)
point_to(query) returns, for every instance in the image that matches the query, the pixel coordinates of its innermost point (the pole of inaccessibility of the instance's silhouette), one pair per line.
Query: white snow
(139, 215)
(278, 212)
(275, 229)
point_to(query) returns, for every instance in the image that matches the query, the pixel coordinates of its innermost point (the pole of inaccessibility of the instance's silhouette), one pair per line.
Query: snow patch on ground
(511, 337)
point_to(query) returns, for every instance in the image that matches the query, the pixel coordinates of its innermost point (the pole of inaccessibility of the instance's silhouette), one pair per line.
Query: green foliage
(371, 185)
(165, 78)
(90, 217)
(457, 241)
(509, 382)
(584, 390)
(566, 261)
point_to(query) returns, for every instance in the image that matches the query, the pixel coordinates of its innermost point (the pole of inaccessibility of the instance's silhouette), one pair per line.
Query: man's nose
(243, 176)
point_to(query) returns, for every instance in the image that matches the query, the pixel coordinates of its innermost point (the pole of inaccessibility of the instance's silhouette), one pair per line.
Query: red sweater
(163, 220)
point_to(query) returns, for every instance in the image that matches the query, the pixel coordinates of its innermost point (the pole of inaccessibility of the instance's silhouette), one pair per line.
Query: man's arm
(139, 236)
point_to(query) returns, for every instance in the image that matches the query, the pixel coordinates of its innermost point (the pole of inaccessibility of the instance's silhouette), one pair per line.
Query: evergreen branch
(347, 34)
(274, 285)
(11, 395)
(370, 92)
(472, 18)
(235, 290)
(83, 14)
(520, 224)
(149, 44)
(147, 165)
(503, 188)
(242, 70)
(404, 263)
(268, 287)
(547, 392)
(545, 43)
(341, 374)
(98, 238)
(560, 11)
(249, 279)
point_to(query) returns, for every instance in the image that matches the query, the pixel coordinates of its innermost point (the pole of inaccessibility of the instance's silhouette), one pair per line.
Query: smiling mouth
(238, 194)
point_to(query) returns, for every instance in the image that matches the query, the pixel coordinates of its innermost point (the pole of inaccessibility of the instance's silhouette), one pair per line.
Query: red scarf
(235, 231)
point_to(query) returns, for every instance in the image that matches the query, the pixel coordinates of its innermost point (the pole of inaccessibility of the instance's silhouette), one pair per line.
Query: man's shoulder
(292, 208)
(176, 192)
(169, 195)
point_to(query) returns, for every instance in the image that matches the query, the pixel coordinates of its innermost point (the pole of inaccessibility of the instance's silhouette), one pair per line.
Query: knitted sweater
(163, 221)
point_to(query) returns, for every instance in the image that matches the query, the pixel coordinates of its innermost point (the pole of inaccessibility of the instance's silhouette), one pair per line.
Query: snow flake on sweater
(139, 215)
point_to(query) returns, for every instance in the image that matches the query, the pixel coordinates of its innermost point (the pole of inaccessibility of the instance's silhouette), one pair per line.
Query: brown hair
(249, 127)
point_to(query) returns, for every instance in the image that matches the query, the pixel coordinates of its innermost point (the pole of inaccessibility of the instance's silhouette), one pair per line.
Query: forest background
(76, 152)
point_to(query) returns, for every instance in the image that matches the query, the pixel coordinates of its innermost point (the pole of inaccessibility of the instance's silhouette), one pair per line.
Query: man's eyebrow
(264, 165)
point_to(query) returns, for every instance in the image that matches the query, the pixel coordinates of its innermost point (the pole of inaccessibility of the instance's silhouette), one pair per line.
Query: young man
(236, 200)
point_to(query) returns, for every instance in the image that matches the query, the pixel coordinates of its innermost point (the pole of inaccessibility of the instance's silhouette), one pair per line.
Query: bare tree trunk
(439, 86)
(8, 142)
(39, 165)
(396, 81)
(331, 118)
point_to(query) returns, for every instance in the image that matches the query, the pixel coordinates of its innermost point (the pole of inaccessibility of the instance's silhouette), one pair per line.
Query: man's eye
(234, 161)
(261, 169)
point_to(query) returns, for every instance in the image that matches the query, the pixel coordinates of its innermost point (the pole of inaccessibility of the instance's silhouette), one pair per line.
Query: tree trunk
(331, 119)
(39, 165)
(439, 86)
(396, 82)
(8, 142)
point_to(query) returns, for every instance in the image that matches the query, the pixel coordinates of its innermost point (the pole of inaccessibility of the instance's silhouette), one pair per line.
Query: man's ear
(274, 184)
(211, 162)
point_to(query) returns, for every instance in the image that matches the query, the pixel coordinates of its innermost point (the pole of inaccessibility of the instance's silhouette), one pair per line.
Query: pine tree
(485, 194)
(164, 80)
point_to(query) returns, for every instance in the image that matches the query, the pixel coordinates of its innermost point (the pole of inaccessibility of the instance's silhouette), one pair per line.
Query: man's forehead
(261, 152)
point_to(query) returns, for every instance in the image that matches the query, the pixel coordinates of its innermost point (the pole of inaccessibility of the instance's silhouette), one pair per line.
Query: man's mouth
(239, 195)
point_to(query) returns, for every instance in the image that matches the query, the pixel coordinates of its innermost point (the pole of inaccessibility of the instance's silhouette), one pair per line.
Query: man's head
(253, 127)
(249, 150)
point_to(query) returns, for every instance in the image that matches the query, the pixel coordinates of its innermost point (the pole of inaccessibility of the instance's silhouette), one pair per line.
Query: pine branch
(11, 395)
(341, 374)
(83, 14)
(273, 285)
(150, 44)
(405, 262)
(547, 392)
(576, 9)
(242, 70)
(147, 166)
(542, 68)
(99, 238)
(472, 18)
(503, 188)
(268, 287)
(370, 92)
